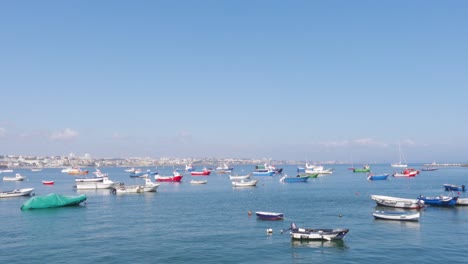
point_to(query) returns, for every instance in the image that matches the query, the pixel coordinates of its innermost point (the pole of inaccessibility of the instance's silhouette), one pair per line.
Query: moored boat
(453, 187)
(462, 201)
(123, 189)
(150, 186)
(298, 178)
(373, 177)
(269, 215)
(48, 182)
(204, 172)
(440, 200)
(106, 183)
(239, 177)
(198, 182)
(365, 168)
(397, 202)
(177, 177)
(400, 216)
(317, 233)
(243, 183)
(17, 177)
(52, 200)
(16, 193)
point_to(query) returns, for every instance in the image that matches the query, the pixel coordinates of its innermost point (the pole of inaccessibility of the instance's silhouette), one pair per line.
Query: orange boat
(78, 172)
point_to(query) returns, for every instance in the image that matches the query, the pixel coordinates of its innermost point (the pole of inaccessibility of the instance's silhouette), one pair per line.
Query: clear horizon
(300, 80)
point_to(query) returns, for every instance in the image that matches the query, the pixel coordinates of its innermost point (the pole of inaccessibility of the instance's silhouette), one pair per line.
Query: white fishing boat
(123, 189)
(95, 179)
(462, 201)
(106, 183)
(198, 182)
(17, 177)
(316, 169)
(399, 216)
(16, 193)
(150, 186)
(317, 233)
(243, 183)
(397, 202)
(239, 177)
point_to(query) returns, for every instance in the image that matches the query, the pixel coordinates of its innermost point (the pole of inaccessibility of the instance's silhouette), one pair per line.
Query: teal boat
(52, 200)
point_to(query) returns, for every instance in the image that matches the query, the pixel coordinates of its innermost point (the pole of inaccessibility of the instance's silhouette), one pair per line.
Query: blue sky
(315, 80)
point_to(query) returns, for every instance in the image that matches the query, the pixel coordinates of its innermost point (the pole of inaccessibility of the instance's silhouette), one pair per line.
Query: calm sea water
(184, 223)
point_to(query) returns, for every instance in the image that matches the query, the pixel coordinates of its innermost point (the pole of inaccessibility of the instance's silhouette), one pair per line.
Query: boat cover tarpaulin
(52, 200)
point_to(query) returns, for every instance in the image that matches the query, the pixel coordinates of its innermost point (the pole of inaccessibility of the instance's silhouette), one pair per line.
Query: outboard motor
(463, 187)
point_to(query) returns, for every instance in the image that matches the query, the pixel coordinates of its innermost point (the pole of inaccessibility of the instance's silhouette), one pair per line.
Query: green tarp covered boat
(366, 168)
(52, 200)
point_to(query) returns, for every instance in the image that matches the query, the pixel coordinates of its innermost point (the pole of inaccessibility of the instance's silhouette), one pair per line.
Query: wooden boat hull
(200, 173)
(397, 216)
(397, 202)
(239, 177)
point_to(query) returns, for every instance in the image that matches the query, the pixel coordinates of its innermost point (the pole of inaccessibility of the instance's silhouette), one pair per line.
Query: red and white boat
(176, 178)
(48, 182)
(204, 172)
(406, 173)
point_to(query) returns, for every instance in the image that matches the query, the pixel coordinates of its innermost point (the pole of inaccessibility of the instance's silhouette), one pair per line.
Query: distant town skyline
(301, 80)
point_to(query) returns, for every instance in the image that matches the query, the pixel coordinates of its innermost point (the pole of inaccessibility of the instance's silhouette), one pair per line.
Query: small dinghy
(198, 182)
(48, 182)
(399, 216)
(269, 215)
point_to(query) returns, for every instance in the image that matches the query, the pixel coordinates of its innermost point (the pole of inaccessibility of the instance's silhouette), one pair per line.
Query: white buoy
(269, 231)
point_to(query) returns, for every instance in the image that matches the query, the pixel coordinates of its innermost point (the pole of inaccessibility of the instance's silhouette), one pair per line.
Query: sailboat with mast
(399, 164)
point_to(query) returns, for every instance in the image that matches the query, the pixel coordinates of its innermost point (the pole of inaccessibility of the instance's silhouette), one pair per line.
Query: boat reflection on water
(318, 244)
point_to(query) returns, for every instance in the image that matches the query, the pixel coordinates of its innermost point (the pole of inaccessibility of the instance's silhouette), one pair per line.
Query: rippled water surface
(186, 223)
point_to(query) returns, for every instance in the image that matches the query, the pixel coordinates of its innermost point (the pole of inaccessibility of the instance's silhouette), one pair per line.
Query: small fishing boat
(243, 183)
(204, 172)
(366, 168)
(52, 200)
(317, 233)
(198, 182)
(453, 187)
(18, 177)
(95, 179)
(106, 183)
(150, 186)
(462, 201)
(400, 216)
(373, 177)
(239, 177)
(269, 215)
(429, 169)
(48, 182)
(397, 202)
(298, 178)
(16, 193)
(176, 178)
(124, 189)
(440, 200)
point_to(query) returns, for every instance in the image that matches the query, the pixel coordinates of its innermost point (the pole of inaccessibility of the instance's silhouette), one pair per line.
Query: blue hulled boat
(453, 187)
(373, 177)
(270, 215)
(441, 200)
(299, 178)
